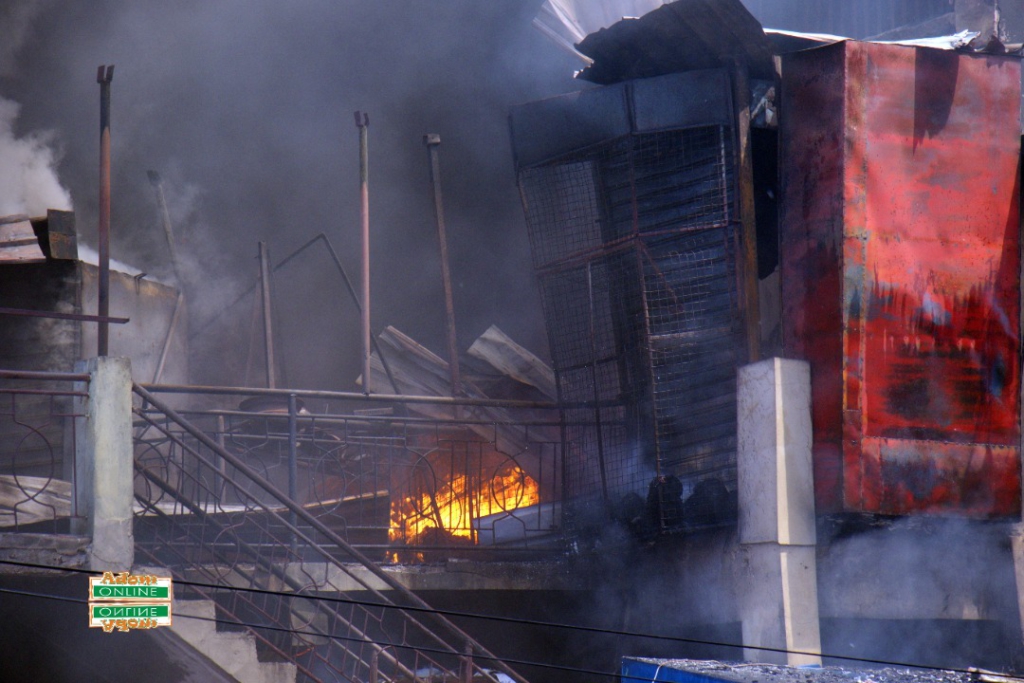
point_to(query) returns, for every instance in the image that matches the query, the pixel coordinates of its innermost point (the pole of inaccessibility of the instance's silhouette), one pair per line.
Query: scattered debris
(640, 669)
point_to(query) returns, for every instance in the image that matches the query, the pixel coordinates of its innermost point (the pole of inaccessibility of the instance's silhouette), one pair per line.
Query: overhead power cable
(383, 643)
(509, 620)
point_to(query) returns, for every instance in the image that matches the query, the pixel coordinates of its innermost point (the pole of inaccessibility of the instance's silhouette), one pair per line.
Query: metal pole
(467, 664)
(293, 459)
(178, 305)
(165, 219)
(222, 484)
(433, 141)
(268, 325)
(597, 387)
(104, 75)
(363, 123)
(745, 185)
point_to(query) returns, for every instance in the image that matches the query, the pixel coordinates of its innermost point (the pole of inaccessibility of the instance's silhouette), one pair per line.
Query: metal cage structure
(629, 195)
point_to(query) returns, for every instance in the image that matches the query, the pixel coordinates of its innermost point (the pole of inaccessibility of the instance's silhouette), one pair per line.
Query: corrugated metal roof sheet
(679, 36)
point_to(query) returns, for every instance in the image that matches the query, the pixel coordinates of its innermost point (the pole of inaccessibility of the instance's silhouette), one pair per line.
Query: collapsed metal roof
(680, 36)
(689, 35)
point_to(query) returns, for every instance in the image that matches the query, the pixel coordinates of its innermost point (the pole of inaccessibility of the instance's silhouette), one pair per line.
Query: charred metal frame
(205, 511)
(346, 463)
(636, 227)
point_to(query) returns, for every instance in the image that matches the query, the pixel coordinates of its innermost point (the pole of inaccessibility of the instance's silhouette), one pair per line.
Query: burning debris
(436, 502)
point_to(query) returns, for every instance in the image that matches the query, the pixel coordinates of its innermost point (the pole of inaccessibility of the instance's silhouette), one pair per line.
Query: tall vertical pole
(268, 325)
(433, 141)
(293, 459)
(363, 123)
(165, 220)
(745, 182)
(104, 74)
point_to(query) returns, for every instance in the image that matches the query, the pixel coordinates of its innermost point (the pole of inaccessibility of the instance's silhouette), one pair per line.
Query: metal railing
(37, 449)
(283, 501)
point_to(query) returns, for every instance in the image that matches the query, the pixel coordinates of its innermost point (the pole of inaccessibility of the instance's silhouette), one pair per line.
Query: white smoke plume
(28, 179)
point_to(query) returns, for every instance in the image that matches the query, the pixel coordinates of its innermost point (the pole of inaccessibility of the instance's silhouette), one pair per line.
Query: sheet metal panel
(901, 225)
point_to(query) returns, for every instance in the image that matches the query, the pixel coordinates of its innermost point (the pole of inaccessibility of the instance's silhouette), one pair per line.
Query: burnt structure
(47, 302)
(630, 199)
(896, 236)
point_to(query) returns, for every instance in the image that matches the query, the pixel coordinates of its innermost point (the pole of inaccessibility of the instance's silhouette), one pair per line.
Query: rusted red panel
(900, 268)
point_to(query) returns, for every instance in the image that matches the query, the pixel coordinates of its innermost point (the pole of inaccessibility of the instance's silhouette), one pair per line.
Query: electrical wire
(383, 643)
(509, 620)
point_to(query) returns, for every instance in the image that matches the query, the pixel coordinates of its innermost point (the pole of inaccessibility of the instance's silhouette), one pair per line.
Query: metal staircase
(232, 538)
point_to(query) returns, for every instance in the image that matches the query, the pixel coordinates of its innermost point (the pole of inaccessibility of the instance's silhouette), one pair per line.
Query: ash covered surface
(771, 673)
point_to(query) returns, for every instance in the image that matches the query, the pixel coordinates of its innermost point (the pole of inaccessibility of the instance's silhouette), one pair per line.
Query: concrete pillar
(103, 463)
(778, 589)
(1017, 548)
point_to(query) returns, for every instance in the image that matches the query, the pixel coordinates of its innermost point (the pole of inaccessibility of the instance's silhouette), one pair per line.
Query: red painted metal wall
(900, 263)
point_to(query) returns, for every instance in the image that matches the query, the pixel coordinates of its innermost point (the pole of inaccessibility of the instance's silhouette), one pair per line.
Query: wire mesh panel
(634, 246)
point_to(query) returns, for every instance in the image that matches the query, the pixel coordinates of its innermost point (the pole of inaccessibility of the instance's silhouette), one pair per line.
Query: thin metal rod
(597, 389)
(165, 220)
(222, 482)
(178, 305)
(351, 395)
(293, 460)
(363, 123)
(103, 76)
(433, 141)
(268, 325)
(467, 664)
(55, 376)
(412, 600)
(63, 316)
(348, 286)
(352, 293)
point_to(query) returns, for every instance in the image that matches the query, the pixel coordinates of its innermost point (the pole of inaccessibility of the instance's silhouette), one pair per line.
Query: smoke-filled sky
(245, 108)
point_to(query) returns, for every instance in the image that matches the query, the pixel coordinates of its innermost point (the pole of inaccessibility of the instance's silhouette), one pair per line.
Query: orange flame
(453, 510)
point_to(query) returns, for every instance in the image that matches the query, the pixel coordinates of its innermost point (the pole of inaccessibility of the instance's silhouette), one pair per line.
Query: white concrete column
(103, 463)
(1017, 548)
(778, 590)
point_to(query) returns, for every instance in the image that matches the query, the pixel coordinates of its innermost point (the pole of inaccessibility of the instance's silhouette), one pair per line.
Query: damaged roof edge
(689, 35)
(678, 36)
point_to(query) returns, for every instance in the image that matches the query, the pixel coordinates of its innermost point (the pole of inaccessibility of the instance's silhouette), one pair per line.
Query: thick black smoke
(245, 108)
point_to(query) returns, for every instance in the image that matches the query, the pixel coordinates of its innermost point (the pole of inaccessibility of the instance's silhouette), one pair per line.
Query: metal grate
(635, 252)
